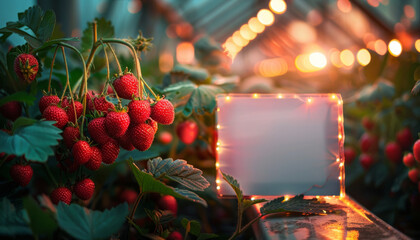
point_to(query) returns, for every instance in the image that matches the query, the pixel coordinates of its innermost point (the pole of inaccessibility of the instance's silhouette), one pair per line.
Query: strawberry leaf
(248, 202)
(105, 29)
(20, 97)
(179, 171)
(297, 204)
(12, 221)
(234, 185)
(82, 223)
(34, 141)
(148, 183)
(48, 224)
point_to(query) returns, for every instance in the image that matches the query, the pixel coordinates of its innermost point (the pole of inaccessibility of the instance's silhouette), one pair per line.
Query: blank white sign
(277, 145)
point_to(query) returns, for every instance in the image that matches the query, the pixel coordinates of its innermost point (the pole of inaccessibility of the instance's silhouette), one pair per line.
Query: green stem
(133, 211)
(47, 169)
(51, 69)
(107, 68)
(68, 83)
(246, 227)
(148, 87)
(115, 57)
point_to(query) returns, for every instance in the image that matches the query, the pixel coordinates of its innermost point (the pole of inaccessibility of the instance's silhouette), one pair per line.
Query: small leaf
(137, 155)
(234, 184)
(193, 226)
(20, 97)
(12, 222)
(248, 202)
(46, 26)
(148, 183)
(105, 29)
(22, 122)
(179, 171)
(82, 223)
(297, 204)
(31, 17)
(48, 223)
(34, 141)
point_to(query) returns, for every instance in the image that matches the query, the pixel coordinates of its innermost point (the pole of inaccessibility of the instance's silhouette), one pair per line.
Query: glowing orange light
(309, 100)
(340, 136)
(255, 95)
(333, 96)
(337, 160)
(335, 58)
(185, 53)
(218, 126)
(339, 178)
(217, 165)
(341, 164)
(363, 57)
(340, 102)
(218, 187)
(265, 17)
(279, 96)
(395, 47)
(218, 143)
(380, 47)
(217, 149)
(218, 109)
(340, 119)
(318, 60)
(217, 181)
(409, 11)
(344, 5)
(166, 62)
(278, 6)
(417, 45)
(286, 198)
(227, 98)
(347, 57)
(255, 25)
(252, 198)
(272, 67)
(247, 33)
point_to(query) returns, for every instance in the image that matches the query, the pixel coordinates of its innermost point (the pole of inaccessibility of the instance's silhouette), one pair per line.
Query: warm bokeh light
(265, 17)
(255, 25)
(409, 11)
(395, 47)
(302, 32)
(335, 58)
(166, 62)
(247, 33)
(363, 57)
(185, 53)
(347, 57)
(344, 6)
(318, 60)
(417, 45)
(380, 47)
(278, 6)
(272, 67)
(239, 40)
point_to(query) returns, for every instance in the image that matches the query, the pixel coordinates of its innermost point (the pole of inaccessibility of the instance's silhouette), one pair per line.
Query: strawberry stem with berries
(68, 84)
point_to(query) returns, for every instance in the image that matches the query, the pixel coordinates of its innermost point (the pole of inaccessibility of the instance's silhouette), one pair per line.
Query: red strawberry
(408, 160)
(97, 130)
(163, 112)
(368, 123)
(153, 124)
(165, 137)
(368, 143)
(70, 111)
(11, 110)
(349, 155)
(404, 138)
(82, 152)
(187, 131)
(21, 174)
(84, 189)
(168, 202)
(70, 136)
(89, 100)
(139, 111)
(175, 235)
(141, 136)
(55, 113)
(116, 123)
(125, 142)
(61, 194)
(413, 175)
(26, 67)
(393, 152)
(126, 86)
(110, 151)
(366, 160)
(95, 161)
(128, 196)
(46, 101)
(416, 150)
(100, 104)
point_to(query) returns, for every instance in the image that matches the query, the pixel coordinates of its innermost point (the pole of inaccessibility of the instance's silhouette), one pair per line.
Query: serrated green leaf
(31, 17)
(248, 202)
(179, 171)
(48, 224)
(12, 222)
(297, 204)
(34, 141)
(46, 26)
(33, 41)
(193, 226)
(82, 223)
(148, 183)
(234, 185)
(20, 97)
(105, 29)
(22, 122)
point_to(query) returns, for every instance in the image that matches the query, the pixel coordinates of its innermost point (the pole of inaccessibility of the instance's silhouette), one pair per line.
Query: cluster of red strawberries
(109, 127)
(412, 161)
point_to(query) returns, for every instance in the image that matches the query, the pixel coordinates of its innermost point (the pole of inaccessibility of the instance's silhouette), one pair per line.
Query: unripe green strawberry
(84, 189)
(61, 194)
(55, 113)
(82, 152)
(97, 130)
(11, 110)
(95, 161)
(26, 67)
(142, 136)
(116, 123)
(139, 111)
(22, 174)
(46, 101)
(126, 86)
(163, 112)
(70, 136)
(110, 151)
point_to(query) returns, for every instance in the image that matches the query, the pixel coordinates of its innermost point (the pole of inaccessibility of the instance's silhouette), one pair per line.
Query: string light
(279, 96)
(309, 100)
(340, 136)
(255, 95)
(337, 160)
(363, 57)
(227, 98)
(265, 17)
(395, 47)
(278, 6)
(217, 165)
(218, 187)
(218, 126)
